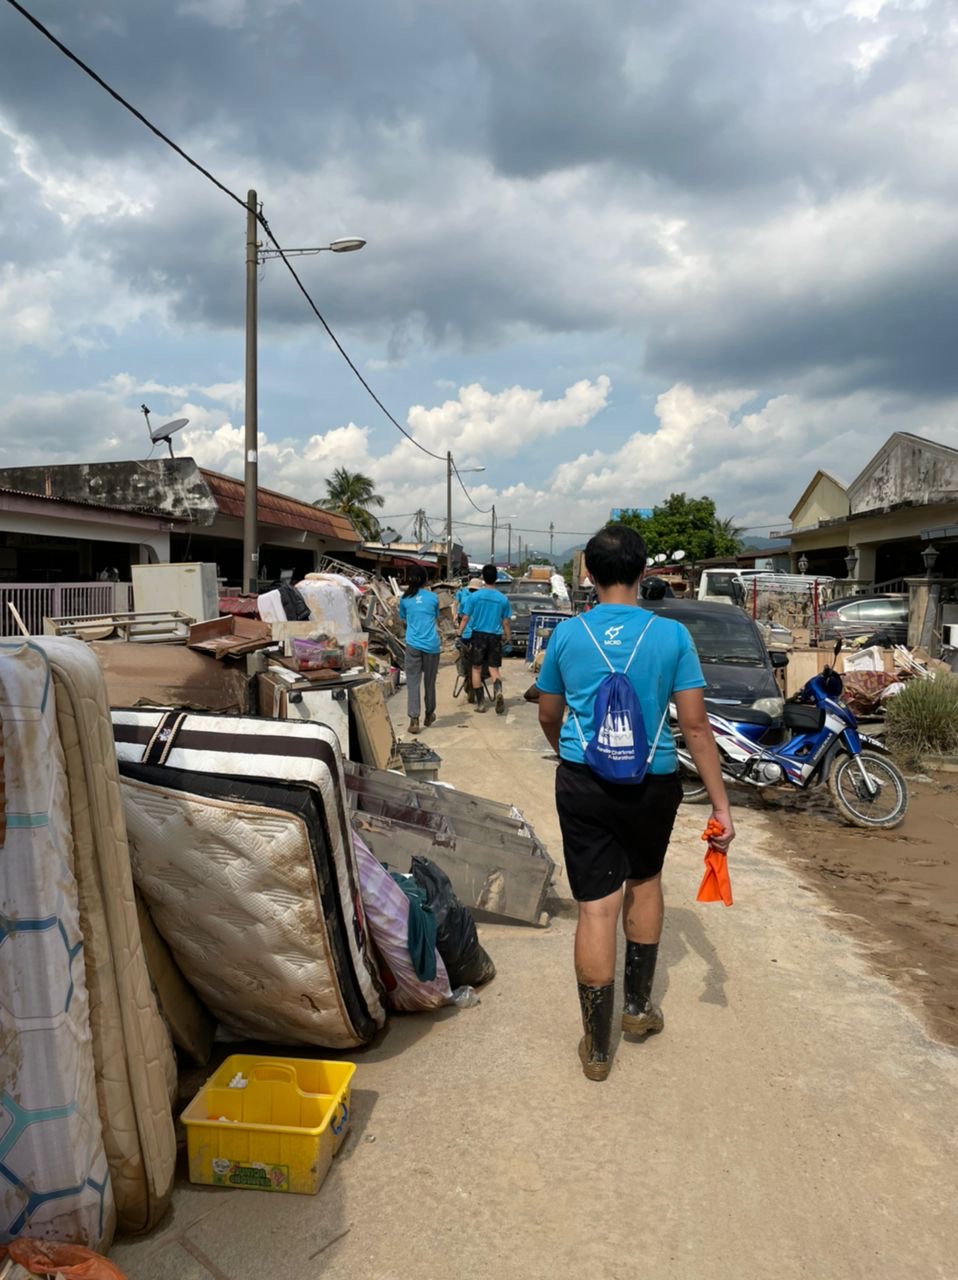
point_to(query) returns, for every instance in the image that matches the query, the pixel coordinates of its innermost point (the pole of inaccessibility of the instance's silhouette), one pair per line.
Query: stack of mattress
(241, 846)
(86, 1130)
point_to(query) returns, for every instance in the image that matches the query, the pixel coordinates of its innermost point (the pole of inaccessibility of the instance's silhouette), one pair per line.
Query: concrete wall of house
(827, 501)
(906, 470)
(169, 486)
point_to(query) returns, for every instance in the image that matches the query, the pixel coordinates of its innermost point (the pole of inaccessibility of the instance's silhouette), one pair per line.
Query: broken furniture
(171, 675)
(230, 636)
(374, 728)
(321, 696)
(156, 627)
(487, 849)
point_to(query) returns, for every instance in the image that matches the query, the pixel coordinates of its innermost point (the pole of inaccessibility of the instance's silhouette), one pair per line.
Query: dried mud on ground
(897, 891)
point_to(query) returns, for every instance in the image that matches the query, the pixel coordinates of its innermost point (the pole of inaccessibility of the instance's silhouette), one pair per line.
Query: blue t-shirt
(419, 612)
(666, 663)
(486, 609)
(462, 595)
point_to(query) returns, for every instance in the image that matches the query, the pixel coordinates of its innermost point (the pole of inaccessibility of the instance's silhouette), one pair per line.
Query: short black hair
(490, 574)
(616, 555)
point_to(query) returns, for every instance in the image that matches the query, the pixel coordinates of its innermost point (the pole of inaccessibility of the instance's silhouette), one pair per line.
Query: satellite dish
(678, 555)
(388, 537)
(165, 431)
(660, 558)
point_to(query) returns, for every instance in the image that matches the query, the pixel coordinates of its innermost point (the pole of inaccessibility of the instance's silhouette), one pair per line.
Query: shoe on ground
(430, 719)
(593, 1068)
(480, 707)
(414, 724)
(642, 1022)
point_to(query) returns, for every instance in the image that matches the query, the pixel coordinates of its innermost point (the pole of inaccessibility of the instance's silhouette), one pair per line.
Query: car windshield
(523, 606)
(731, 640)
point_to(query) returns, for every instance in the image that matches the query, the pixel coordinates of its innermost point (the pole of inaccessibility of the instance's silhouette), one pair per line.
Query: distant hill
(563, 557)
(765, 544)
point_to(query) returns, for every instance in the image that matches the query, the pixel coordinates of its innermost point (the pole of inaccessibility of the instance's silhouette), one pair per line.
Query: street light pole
(492, 544)
(448, 514)
(250, 465)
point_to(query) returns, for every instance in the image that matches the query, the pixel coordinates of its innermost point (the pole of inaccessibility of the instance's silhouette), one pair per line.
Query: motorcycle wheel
(886, 809)
(693, 790)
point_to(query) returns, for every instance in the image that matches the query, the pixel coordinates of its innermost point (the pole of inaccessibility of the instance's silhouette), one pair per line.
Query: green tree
(353, 494)
(686, 524)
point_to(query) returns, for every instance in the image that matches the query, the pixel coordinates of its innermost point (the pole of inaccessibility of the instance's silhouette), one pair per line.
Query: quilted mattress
(242, 849)
(54, 1178)
(132, 1051)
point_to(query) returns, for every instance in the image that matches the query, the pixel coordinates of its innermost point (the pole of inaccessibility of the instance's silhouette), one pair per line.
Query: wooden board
(377, 738)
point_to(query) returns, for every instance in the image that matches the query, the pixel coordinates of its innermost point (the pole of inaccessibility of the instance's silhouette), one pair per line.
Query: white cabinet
(190, 588)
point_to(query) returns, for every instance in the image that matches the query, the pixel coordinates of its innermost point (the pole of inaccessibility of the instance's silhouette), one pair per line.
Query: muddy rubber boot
(500, 700)
(480, 699)
(640, 1016)
(594, 1047)
(413, 724)
(470, 694)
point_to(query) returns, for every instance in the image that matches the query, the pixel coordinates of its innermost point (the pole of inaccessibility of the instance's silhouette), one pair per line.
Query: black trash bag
(467, 962)
(294, 605)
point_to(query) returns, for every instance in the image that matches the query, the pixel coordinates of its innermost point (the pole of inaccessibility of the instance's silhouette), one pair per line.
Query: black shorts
(485, 649)
(610, 832)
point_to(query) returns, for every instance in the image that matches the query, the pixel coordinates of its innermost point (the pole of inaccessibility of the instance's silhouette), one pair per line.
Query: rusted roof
(279, 510)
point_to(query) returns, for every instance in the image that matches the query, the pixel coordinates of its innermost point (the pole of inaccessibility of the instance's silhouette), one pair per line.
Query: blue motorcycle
(823, 747)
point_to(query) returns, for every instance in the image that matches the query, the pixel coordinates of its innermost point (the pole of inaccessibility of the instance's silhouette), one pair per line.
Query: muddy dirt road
(793, 1120)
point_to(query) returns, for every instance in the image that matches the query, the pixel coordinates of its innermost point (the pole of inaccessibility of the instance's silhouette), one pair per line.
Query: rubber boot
(480, 699)
(640, 1016)
(594, 1047)
(500, 700)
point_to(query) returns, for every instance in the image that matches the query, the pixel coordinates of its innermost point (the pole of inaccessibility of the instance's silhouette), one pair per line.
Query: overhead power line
(165, 138)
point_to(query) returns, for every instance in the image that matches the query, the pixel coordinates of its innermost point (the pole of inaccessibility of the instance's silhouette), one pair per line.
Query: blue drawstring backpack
(619, 750)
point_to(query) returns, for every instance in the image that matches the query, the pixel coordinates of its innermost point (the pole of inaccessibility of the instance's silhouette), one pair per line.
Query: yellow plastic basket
(278, 1133)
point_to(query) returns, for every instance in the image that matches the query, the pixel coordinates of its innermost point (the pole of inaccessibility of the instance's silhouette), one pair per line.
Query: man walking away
(488, 613)
(419, 610)
(465, 635)
(616, 834)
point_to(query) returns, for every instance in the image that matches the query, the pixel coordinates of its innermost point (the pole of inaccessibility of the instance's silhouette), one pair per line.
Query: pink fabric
(387, 914)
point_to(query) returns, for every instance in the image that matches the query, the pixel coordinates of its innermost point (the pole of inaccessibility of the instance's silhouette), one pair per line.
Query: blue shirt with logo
(486, 609)
(462, 595)
(666, 663)
(419, 612)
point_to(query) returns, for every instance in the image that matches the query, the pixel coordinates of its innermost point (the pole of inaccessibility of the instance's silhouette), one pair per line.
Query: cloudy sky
(616, 248)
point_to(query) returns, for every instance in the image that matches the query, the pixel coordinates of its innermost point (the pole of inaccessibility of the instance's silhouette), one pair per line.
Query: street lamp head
(348, 244)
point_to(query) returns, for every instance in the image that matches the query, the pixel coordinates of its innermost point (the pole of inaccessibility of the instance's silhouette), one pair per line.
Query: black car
(883, 616)
(738, 669)
(522, 608)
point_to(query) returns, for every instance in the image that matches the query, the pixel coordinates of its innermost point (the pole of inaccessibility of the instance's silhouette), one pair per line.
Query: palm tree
(353, 494)
(728, 535)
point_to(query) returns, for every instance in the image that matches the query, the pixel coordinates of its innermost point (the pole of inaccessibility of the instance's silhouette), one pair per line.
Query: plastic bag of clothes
(388, 916)
(71, 1261)
(331, 600)
(467, 962)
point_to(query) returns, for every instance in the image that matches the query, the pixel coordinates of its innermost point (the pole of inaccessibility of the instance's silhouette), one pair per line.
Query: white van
(724, 586)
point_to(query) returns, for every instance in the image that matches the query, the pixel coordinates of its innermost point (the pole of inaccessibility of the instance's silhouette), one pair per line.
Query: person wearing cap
(487, 613)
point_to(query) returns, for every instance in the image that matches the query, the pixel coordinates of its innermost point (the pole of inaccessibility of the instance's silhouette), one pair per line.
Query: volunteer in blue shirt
(465, 635)
(419, 610)
(487, 612)
(617, 834)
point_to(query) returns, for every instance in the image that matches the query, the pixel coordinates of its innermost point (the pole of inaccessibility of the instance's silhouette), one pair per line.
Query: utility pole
(448, 514)
(509, 555)
(551, 535)
(492, 543)
(250, 466)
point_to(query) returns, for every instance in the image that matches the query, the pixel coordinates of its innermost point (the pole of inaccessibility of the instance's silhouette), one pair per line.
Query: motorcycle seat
(740, 715)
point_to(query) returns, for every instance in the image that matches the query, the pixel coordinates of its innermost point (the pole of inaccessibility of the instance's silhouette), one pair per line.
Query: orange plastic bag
(716, 885)
(72, 1261)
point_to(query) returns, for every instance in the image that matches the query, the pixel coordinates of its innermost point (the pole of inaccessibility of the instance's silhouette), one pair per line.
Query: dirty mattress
(131, 1044)
(241, 847)
(54, 1178)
